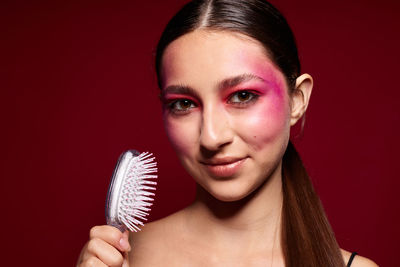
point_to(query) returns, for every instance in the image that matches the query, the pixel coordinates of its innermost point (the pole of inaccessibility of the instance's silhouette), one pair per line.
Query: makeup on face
(226, 110)
(238, 91)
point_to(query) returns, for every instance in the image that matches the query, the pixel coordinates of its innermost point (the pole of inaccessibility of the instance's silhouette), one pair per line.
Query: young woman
(231, 89)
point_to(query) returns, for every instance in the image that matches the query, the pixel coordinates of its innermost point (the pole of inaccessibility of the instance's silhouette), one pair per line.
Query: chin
(224, 198)
(230, 191)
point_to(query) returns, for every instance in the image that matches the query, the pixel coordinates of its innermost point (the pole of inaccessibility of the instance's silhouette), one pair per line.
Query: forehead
(203, 56)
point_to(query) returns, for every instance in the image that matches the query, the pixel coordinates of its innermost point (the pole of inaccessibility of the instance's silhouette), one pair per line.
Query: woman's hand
(107, 247)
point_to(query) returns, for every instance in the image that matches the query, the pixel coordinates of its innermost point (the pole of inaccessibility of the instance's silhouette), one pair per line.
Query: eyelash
(173, 105)
(253, 97)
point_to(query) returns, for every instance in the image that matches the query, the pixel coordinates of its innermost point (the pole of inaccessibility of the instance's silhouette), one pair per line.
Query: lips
(224, 167)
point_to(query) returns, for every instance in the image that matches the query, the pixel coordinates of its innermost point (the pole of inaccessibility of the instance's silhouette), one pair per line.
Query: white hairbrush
(129, 197)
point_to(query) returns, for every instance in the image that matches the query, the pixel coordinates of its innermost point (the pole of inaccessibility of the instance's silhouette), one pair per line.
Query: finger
(108, 254)
(111, 235)
(125, 241)
(126, 260)
(92, 262)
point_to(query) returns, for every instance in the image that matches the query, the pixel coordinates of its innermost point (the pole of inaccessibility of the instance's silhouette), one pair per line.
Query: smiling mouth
(225, 167)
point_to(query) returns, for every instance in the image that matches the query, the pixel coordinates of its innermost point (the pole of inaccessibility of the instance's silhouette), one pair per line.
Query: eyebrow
(226, 83)
(236, 80)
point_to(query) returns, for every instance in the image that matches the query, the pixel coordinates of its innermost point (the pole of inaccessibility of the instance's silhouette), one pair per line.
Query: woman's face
(226, 111)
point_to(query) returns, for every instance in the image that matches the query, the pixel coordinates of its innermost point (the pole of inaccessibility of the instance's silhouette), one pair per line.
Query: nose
(215, 129)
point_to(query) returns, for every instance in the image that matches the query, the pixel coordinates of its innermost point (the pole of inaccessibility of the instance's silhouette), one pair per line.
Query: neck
(252, 222)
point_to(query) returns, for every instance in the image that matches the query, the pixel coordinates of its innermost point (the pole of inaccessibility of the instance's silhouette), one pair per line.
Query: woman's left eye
(242, 97)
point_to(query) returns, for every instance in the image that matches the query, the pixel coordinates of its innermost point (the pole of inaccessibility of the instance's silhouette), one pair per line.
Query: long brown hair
(307, 237)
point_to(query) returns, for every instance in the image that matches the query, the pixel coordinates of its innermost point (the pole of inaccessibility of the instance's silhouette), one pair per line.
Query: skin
(216, 126)
(227, 111)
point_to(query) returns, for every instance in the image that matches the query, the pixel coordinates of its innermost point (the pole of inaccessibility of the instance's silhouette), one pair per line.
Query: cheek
(182, 134)
(268, 121)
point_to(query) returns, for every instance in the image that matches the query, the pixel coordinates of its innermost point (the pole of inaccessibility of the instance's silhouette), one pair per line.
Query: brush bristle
(136, 198)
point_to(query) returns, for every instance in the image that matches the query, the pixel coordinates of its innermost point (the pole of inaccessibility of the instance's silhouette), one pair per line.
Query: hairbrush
(129, 196)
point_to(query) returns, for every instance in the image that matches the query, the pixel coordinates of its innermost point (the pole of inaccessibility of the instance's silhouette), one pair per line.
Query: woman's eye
(242, 97)
(181, 105)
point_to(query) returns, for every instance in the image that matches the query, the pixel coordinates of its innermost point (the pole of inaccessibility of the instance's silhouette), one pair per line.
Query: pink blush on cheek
(279, 102)
(275, 106)
(267, 121)
(268, 117)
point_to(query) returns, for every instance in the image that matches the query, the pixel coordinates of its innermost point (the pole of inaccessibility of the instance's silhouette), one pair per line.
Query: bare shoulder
(358, 260)
(158, 236)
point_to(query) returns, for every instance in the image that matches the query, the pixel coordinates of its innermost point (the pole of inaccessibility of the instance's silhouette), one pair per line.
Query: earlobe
(300, 97)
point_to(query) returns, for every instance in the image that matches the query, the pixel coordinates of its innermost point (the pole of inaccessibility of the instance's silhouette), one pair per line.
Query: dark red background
(78, 88)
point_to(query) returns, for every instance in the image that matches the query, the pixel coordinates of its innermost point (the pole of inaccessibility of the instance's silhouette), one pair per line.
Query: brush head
(129, 195)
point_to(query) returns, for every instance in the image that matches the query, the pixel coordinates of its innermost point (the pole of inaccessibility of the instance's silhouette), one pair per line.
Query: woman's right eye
(181, 105)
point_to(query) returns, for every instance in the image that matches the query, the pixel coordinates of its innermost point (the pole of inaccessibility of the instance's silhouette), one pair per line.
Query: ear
(300, 97)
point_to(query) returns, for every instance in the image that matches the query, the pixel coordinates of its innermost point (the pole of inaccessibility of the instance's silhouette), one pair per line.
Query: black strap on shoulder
(351, 258)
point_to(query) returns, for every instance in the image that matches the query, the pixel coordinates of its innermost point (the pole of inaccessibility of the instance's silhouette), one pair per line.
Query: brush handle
(115, 187)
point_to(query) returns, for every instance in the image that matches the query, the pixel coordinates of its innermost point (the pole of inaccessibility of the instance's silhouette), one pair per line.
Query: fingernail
(125, 263)
(124, 243)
